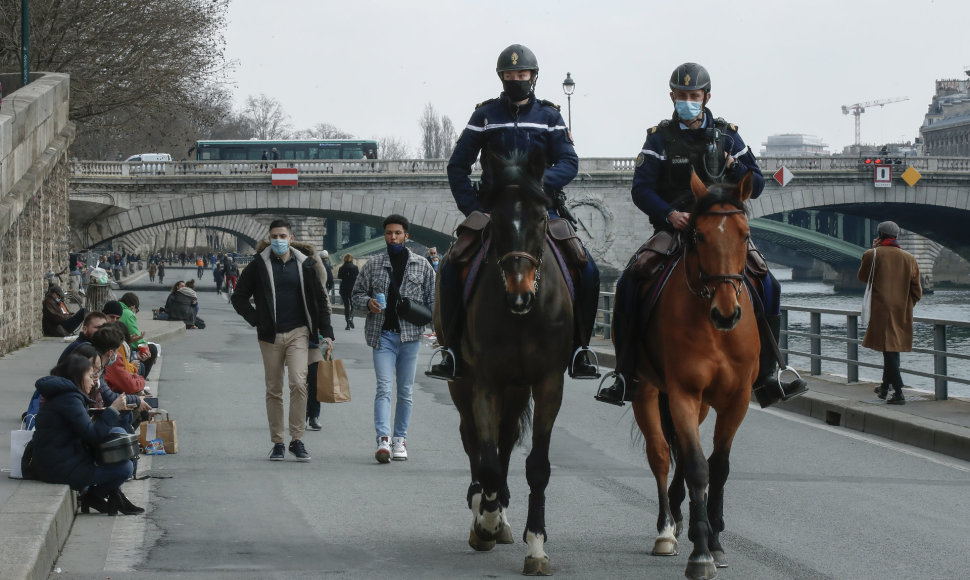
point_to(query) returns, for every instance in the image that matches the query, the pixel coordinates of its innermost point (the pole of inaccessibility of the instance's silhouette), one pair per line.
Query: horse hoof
(505, 536)
(702, 569)
(537, 566)
(665, 547)
(479, 544)
(720, 560)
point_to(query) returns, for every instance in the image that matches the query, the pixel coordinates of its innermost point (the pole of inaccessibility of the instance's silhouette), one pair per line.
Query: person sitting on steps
(516, 120)
(693, 141)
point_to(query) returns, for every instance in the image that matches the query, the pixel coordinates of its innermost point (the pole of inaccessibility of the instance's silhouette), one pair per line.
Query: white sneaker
(399, 449)
(383, 453)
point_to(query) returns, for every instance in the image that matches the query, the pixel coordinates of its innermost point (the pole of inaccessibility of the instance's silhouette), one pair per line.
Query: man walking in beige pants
(290, 309)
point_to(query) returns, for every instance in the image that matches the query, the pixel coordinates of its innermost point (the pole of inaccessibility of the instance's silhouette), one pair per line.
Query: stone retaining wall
(34, 201)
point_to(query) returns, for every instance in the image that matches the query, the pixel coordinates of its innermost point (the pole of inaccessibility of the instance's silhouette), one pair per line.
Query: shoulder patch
(483, 103)
(652, 130)
(546, 103)
(641, 158)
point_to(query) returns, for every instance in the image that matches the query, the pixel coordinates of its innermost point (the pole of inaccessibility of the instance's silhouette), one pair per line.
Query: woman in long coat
(895, 290)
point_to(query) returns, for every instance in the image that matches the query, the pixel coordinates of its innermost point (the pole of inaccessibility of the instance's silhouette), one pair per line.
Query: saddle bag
(568, 242)
(653, 254)
(469, 239)
(755, 262)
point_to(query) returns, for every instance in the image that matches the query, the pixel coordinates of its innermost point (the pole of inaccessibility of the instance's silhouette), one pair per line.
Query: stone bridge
(110, 199)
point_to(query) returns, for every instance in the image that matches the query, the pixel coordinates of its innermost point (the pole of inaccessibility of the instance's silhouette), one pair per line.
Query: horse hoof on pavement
(505, 535)
(537, 566)
(479, 544)
(720, 560)
(665, 547)
(701, 569)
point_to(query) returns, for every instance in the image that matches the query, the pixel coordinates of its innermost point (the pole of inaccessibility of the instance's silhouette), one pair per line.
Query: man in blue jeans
(395, 273)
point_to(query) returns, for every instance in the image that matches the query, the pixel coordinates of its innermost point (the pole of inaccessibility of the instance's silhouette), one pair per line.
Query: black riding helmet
(690, 76)
(516, 57)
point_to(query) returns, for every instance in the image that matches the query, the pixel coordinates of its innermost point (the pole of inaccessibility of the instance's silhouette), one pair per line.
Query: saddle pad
(562, 267)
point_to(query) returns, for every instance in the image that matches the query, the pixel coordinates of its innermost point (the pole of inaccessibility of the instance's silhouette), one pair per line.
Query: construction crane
(859, 108)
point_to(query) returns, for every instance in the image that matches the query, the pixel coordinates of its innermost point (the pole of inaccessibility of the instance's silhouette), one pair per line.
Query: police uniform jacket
(659, 189)
(499, 126)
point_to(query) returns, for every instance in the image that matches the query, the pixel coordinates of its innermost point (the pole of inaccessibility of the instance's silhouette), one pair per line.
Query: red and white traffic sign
(883, 176)
(285, 176)
(783, 176)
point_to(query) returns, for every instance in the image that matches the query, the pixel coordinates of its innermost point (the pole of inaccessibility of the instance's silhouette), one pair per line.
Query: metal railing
(939, 329)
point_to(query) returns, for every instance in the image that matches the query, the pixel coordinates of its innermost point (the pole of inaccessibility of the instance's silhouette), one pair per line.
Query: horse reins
(537, 262)
(708, 280)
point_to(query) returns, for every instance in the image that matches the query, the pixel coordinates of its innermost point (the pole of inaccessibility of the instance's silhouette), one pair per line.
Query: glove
(560, 204)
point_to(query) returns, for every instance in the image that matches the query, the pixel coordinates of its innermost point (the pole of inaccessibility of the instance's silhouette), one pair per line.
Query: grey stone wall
(34, 202)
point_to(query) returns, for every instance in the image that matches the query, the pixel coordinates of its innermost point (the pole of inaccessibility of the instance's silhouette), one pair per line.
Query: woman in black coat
(64, 429)
(347, 273)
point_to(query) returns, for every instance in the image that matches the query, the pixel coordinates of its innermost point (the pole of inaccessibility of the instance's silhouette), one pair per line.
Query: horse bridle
(712, 281)
(537, 262)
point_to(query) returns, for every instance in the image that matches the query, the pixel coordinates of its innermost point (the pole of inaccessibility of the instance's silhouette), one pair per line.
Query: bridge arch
(430, 223)
(244, 227)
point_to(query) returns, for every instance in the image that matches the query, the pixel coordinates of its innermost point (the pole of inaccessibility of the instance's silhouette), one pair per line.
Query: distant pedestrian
(275, 154)
(347, 273)
(152, 270)
(218, 275)
(895, 290)
(161, 272)
(200, 265)
(392, 274)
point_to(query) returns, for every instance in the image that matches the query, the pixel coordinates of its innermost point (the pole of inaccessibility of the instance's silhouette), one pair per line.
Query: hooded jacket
(256, 282)
(63, 429)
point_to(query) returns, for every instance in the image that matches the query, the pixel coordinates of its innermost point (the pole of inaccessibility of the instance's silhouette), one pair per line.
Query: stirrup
(798, 378)
(444, 352)
(599, 397)
(596, 363)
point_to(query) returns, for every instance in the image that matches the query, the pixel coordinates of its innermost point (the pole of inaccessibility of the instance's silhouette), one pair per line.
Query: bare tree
(430, 124)
(135, 66)
(323, 131)
(393, 148)
(448, 137)
(266, 118)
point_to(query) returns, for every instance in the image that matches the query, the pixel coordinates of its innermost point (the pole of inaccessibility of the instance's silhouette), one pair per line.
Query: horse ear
(697, 186)
(743, 189)
(537, 164)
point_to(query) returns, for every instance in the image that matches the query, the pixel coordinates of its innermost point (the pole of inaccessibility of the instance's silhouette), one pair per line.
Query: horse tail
(667, 426)
(525, 423)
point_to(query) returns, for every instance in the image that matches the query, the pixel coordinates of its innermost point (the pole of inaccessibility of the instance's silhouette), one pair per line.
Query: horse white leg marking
(720, 226)
(490, 522)
(535, 544)
(666, 542)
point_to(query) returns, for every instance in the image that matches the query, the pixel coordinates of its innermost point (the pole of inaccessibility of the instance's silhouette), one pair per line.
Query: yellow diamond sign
(911, 176)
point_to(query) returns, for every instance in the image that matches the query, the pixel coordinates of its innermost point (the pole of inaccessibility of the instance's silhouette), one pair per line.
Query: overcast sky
(369, 67)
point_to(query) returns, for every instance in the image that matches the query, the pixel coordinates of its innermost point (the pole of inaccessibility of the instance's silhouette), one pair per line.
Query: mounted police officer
(693, 140)
(515, 121)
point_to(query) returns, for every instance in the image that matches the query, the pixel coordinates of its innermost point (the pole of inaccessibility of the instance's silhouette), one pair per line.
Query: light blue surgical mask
(395, 249)
(688, 110)
(280, 247)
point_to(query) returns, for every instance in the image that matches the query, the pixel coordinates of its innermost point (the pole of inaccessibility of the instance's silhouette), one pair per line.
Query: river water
(942, 304)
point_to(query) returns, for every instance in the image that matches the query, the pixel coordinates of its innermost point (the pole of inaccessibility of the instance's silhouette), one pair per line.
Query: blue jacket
(651, 169)
(63, 429)
(501, 127)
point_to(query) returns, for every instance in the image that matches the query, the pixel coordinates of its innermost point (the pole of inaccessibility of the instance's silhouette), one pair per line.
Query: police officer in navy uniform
(515, 121)
(692, 140)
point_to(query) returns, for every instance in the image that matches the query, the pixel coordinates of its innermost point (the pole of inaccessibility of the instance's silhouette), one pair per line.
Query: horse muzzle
(520, 302)
(725, 323)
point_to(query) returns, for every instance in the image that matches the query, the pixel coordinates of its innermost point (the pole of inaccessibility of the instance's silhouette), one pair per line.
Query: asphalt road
(804, 500)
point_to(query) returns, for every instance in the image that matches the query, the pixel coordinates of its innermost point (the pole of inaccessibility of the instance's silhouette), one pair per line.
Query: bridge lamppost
(569, 87)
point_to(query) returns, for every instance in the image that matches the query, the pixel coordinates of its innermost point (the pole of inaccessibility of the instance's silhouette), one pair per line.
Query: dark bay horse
(517, 344)
(700, 350)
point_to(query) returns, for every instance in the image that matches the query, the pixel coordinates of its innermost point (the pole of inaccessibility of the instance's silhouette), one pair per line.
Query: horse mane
(715, 196)
(517, 170)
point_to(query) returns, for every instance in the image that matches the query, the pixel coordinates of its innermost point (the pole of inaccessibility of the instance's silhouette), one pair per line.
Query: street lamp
(569, 87)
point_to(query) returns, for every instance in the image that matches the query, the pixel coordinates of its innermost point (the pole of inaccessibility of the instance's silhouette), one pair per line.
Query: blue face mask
(280, 247)
(395, 249)
(688, 110)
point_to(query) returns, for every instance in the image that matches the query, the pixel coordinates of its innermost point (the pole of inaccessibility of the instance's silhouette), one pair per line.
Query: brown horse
(517, 344)
(700, 351)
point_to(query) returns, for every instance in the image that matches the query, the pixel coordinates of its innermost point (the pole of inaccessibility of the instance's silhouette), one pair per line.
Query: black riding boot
(450, 310)
(582, 365)
(623, 345)
(767, 389)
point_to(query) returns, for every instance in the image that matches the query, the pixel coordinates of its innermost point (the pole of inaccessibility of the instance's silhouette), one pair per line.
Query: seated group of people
(96, 388)
(182, 304)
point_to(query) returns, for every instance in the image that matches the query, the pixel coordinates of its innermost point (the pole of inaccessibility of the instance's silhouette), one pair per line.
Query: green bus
(290, 149)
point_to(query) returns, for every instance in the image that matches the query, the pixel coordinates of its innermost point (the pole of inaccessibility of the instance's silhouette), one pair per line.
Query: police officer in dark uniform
(515, 121)
(692, 140)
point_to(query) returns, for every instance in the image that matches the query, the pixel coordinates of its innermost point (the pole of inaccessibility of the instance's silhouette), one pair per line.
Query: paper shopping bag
(159, 426)
(18, 442)
(332, 383)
